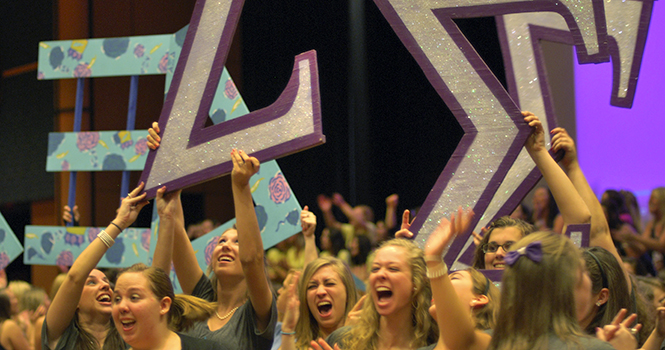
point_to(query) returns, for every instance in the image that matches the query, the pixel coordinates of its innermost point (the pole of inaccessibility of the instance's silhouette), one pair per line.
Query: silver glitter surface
(623, 22)
(496, 130)
(174, 160)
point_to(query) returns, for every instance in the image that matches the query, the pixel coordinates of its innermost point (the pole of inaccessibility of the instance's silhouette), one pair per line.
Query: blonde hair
(307, 328)
(485, 316)
(185, 309)
(19, 288)
(659, 193)
(33, 298)
(365, 334)
(527, 317)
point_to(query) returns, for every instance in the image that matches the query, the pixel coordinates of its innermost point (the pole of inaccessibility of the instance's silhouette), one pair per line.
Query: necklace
(227, 315)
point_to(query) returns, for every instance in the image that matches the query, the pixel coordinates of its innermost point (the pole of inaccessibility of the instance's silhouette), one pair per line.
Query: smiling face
(225, 255)
(500, 236)
(137, 312)
(326, 299)
(390, 280)
(96, 294)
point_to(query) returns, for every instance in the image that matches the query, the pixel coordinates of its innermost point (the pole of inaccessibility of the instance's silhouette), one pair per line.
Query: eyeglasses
(493, 247)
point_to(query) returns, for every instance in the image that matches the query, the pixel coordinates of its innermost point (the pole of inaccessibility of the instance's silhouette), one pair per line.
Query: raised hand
(392, 200)
(308, 222)
(324, 202)
(561, 140)
(354, 315)
(406, 224)
(167, 203)
(618, 332)
(292, 313)
(321, 344)
(153, 136)
(338, 200)
(536, 141)
(130, 207)
(447, 230)
(244, 167)
(68, 214)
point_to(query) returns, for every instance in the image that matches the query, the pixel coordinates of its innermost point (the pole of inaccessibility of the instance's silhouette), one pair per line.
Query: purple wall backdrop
(624, 148)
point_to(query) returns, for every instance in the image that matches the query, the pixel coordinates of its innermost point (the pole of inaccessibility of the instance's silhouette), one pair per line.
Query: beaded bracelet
(106, 239)
(440, 271)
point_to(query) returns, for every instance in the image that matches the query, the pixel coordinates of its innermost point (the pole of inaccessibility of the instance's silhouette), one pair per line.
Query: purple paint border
(548, 6)
(199, 134)
(640, 43)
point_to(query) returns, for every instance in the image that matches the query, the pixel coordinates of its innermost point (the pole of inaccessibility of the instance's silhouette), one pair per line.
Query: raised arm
(250, 244)
(391, 211)
(308, 223)
(457, 329)
(600, 231)
(64, 305)
(167, 206)
(355, 218)
(572, 206)
(325, 204)
(182, 254)
(291, 314)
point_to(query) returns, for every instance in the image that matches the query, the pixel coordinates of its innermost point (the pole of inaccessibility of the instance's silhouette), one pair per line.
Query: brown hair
(185, 309)
(307, 328)
(526, 318)
(485, 317)
(502, 222)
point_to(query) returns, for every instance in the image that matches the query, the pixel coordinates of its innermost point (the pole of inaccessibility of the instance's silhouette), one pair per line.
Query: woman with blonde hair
(395, 315)
(147, 313)
(327, 293)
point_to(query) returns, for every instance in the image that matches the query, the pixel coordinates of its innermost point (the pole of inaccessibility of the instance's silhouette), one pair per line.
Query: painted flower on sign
(65, 259)
(87, 140)
(279, 189)
(82, 70)
(212, 243)
(141, 146)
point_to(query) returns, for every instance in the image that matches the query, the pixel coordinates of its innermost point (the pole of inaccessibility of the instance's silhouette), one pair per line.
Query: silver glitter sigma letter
(190, 152)
(493, 126)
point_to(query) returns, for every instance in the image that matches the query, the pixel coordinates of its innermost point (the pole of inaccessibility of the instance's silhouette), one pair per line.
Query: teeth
(225, 258)
(382, 289)
(104, 298)
(127, 322)
(323, 303)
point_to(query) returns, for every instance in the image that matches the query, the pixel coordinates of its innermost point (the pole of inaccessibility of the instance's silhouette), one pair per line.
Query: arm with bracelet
(457, 329)
(85, 292)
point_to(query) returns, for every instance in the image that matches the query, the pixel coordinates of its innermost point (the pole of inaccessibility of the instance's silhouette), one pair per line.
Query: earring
(598, 303)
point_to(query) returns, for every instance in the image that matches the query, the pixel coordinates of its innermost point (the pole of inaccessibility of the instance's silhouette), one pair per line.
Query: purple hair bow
(532, 251)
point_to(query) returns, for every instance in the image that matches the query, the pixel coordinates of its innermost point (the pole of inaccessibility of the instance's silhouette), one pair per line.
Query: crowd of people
(366, 284)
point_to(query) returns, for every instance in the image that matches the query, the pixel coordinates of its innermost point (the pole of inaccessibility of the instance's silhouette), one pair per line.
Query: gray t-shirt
(67, 340)
(240, 332)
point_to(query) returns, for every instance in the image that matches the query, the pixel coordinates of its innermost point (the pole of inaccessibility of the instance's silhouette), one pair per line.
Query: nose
(321, 290)
(501, 252)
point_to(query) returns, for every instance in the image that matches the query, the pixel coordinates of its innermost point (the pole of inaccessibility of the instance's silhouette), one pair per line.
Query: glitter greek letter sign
(190, 153)
(494, 128)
